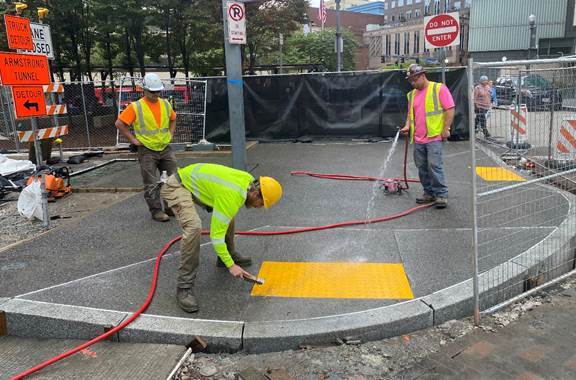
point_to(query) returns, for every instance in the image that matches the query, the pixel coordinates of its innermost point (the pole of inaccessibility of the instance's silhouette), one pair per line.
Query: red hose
(346, 177)
(115, 329)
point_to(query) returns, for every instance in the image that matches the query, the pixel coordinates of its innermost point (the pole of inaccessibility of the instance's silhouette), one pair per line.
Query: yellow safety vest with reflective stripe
(222, 188)
(434, 111)
(148, 132)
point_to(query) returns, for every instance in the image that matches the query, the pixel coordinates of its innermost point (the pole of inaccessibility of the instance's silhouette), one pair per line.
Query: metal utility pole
(533, 42)
(235, 95)
(281, 41)
(338, 39)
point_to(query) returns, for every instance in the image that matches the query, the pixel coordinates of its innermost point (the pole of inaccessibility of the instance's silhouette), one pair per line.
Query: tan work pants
(180, 200)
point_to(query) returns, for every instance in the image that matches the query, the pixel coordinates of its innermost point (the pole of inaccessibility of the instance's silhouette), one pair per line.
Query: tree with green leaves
(264, 22)
(318, 48)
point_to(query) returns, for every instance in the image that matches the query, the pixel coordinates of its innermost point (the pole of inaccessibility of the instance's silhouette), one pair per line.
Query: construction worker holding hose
(430, 115)
(222, 191)
(154, 123)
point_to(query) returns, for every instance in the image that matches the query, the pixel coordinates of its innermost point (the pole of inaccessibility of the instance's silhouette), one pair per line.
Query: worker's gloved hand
(405, 130)
(237, 271)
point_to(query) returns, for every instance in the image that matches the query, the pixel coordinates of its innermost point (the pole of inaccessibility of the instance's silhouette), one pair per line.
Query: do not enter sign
(442, 30)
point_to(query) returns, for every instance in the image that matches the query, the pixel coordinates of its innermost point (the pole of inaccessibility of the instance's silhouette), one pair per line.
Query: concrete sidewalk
(541, 345)
(104, 360)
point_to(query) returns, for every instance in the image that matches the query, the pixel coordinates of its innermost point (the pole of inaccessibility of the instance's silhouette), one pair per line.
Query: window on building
(408, 15)
(400, 3)
(388, 45)
(416, 13)
(427, 7)
(457, 5)
(446, 6)
(393, 18)
(408, 2)
(397, 44)
(437, 7)
(417, 42)
(386, 5)
(393, 4)
(418, 1)
(385, 18)
(406, 43)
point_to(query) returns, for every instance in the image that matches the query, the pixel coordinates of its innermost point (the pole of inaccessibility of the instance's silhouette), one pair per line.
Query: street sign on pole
(42, 40)
(442, 30)
(236, 22)
(24, 69)
(29, 101)
(18, 32)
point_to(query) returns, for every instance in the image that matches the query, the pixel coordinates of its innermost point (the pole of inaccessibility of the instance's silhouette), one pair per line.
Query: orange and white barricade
(565, 141)
(518, 124)
(54, 88)
(46, 133)
(56, 109)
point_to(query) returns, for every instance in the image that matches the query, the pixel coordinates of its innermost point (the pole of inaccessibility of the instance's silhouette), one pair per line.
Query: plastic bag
(30, 201)
(9, 166)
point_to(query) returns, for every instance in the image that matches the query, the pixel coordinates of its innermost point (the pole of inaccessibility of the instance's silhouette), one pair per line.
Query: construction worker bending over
(430, 115)
(222, 191)
(154, 123)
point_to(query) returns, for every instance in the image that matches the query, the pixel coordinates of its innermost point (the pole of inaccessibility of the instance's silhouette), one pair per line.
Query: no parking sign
(236, 22)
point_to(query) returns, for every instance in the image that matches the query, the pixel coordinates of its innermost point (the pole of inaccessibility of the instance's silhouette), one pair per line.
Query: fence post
(552, 105)
(85, 114)
(471, 130)
(11, 117)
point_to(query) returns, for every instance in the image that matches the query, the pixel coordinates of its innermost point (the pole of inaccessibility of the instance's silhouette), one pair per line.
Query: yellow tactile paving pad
(333, 280)
(498, 174)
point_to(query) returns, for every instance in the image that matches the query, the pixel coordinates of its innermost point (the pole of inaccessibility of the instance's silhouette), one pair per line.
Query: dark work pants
(152, 163)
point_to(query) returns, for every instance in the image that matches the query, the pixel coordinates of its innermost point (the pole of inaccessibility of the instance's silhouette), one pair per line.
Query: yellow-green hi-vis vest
(148, 132)
(222, 188)
(434, 111)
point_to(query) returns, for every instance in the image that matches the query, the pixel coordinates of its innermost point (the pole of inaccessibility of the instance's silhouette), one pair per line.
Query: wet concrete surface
(105, 261)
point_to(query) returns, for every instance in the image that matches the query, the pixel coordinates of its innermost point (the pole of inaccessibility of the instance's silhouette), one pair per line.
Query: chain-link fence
(188, 98)
(91, 109)
(524, 114)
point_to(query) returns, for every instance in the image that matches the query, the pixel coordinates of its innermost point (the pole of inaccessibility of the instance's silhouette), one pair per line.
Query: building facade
(374, 8)
(500, 29)
(345, 4)
(401, 37)
(357, 23)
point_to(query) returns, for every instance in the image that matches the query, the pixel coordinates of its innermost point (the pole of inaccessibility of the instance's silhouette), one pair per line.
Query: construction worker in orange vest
(154, 121)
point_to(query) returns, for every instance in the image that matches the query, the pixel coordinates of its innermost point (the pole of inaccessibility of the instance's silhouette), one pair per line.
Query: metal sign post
(234, 15)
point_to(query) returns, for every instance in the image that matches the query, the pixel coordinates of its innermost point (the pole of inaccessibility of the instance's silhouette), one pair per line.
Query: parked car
(536, 92)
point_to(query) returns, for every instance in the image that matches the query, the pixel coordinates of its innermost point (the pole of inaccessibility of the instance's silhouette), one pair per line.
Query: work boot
(187, 300)
(243, 261)
(160, 216)
(169, 212)
(426, 198)
(441, 202)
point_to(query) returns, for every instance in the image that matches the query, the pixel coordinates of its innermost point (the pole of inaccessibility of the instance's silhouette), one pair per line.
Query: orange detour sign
(24, 69)
(18, 32)
(29, 101)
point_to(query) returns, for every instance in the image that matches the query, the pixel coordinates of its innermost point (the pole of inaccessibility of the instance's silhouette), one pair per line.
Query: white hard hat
(152, 82)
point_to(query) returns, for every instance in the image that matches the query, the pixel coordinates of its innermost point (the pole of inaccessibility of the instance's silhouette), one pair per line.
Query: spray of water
(376, 187)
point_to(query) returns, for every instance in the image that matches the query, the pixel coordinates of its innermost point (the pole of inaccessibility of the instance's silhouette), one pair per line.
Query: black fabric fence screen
(359, 105)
